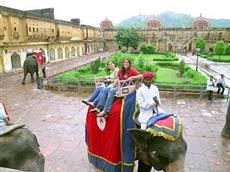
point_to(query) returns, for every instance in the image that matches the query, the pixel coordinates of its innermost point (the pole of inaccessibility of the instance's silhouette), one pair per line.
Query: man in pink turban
(148, 99)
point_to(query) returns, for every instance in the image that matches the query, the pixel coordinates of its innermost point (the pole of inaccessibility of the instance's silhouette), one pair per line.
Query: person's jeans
(95, 94)
(110, 98)
(220, 86)
(209, 94)
(102, 97)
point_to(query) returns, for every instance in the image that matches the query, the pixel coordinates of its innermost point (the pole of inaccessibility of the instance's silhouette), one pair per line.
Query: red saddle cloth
(105, 144)
(112, 150)
(39, 57)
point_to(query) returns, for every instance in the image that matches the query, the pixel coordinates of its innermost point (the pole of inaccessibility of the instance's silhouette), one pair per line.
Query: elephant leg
(142, 167)
(44, 72)
(24, 78)
(177, 166)
(32, 77)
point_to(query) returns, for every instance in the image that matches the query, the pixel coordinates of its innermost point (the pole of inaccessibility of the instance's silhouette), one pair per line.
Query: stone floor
(58, 121)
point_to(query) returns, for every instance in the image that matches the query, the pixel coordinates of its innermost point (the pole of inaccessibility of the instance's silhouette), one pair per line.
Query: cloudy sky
(92, 12)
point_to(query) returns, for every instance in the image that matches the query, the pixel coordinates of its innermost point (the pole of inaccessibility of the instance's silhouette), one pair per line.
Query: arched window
(52, 54)
(15, 61)
(60, 53)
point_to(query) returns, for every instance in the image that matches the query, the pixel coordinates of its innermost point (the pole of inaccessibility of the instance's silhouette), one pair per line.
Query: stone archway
(78, 51)
(15, 61)
(52, 54)
(190, 46)
(73, 51)
(170, 47)
(60, 53)
(66, 52)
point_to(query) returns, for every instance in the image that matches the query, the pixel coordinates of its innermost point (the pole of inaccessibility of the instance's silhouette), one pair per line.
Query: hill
(171, 20)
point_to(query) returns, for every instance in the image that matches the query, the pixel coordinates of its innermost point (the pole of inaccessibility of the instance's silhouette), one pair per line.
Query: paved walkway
(58, 121)
(214, 68)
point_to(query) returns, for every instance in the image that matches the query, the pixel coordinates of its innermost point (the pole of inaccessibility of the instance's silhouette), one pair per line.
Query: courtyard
(58, 121)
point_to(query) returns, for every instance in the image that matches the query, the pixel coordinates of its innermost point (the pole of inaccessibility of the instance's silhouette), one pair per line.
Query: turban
(148, 75)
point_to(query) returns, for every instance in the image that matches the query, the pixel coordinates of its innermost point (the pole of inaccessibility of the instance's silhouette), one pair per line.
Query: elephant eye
(154, 152)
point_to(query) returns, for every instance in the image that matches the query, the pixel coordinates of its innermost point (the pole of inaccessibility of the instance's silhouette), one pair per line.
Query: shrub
(227, 49)
(117, 59)
(84, 69)
(94, 66)
(103, 64)
(147, 49)
(141, 62)
(151, 68)
(181, 67)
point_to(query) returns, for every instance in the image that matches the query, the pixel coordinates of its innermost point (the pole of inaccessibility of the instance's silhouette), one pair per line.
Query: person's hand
(130, 78)
(9, 123)
(156, 100)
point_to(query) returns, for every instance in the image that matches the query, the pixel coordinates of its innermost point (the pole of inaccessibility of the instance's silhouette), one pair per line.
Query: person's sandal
(95, 110)
(88, 103)
(102, 114)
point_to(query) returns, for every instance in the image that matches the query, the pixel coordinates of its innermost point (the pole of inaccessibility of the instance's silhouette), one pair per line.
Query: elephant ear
(140, 137)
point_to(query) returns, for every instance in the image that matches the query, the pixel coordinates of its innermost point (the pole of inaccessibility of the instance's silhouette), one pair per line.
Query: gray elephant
(159, 153)
(20, 149)
(226, 129)
(31, 66)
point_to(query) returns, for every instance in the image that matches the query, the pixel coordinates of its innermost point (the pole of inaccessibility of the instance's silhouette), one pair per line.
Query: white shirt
(210, 85)
(146, 103)
(3, 115)
(221, 81)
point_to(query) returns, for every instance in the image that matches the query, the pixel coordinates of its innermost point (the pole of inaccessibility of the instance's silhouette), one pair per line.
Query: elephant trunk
(226, 129)
(177, 166)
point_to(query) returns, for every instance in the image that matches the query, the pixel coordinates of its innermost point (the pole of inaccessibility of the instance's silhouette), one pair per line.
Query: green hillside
(171, 20)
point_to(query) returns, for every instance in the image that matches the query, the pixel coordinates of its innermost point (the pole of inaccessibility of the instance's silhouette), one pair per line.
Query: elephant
(159, 153)
(20, 149)
(226, 130)
(30, 65)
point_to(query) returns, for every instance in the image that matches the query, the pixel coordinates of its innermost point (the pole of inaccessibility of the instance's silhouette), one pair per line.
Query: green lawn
(167, 72)
(224, 58)
(171, 76)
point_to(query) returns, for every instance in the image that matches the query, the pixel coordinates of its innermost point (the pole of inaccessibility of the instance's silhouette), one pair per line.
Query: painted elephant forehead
(170, 128)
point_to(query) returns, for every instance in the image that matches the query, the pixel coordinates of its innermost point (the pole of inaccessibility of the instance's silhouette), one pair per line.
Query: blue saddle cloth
(154, 119)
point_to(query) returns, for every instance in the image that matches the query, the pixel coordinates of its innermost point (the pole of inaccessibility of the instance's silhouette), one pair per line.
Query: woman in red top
(124, 73)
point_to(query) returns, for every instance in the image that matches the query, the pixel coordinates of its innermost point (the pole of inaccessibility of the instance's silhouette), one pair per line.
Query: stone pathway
(58, 120)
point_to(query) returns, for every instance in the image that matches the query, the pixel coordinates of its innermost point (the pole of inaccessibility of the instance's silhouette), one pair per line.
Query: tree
(128, 37)
(200, 43)
(219, 48)
(226, 129)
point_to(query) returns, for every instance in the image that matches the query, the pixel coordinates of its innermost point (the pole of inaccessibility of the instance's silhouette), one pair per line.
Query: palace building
(34, 29)
(21, 31)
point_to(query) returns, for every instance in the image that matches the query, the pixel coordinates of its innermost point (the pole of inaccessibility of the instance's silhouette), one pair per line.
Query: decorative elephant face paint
(160, 153)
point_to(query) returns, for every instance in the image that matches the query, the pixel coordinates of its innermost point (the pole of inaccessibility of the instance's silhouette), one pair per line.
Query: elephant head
(158, 152)
(20, 150)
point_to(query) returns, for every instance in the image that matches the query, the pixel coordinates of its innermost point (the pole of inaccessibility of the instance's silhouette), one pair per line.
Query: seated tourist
(4, 118)
(148, 99)
(94, 99)
(124, 73)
